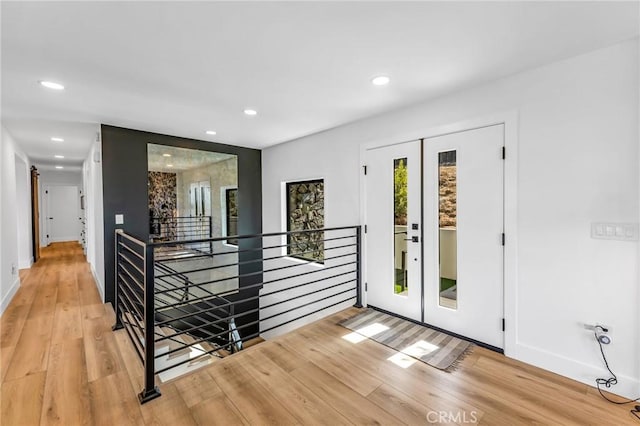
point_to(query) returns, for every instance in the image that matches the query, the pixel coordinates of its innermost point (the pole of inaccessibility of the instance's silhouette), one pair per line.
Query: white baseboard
(627, 387)
(25, 263)
(98, 282)
(12, 292)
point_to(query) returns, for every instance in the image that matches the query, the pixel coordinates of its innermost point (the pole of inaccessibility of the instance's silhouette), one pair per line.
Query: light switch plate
(119, 219)
(614, 231)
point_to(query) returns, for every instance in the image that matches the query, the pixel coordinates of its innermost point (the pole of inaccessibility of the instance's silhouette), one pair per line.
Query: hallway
(62, 364)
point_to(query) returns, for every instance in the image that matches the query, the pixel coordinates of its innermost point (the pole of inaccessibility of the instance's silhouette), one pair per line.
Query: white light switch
(119, 219)
(615, 231)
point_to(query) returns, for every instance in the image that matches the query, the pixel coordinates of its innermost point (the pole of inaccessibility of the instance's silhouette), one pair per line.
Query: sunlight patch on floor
(365, 332)
(407, 356)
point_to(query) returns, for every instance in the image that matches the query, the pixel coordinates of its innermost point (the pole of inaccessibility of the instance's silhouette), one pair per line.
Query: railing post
(150, 390)
(358, 303)
(118, 324)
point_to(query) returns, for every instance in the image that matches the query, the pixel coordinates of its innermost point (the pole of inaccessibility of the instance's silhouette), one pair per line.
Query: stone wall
(305, 207)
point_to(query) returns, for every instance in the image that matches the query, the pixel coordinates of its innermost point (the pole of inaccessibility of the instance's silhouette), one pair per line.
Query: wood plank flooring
(60, 363)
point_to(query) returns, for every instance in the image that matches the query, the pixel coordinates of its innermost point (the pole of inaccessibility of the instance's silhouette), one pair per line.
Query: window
(231, 214)
(305, 210)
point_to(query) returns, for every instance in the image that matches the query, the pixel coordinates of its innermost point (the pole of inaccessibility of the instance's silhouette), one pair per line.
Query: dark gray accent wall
(124, 177)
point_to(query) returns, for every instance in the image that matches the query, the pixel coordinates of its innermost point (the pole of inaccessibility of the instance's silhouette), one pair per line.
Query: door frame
(44, 204)
(509, 119)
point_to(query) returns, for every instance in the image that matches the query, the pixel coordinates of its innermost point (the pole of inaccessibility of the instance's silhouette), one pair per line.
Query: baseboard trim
(98, 283)
(9, 297)
(627, 387)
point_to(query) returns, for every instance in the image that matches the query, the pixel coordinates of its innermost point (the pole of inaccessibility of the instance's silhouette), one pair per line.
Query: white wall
(9, 262)
(53, 178)
(577, 140)
(92, 190)
(23, 210)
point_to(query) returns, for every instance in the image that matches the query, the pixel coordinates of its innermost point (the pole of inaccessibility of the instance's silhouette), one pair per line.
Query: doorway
(434, 238)
(62, 208)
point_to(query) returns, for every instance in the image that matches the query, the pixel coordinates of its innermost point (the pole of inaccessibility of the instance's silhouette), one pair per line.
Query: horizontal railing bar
(134, 306)
(134, 279)
(273, 234)
(261, 284)
(270, 270)
(251, 311)
(258, 321)
(133, 340)
(277, 291)
(129, 249)
(246, 262)
(191, 282)
(130, 262)
(132, 310)
(249, 250)
(130, 238)
(129, 327)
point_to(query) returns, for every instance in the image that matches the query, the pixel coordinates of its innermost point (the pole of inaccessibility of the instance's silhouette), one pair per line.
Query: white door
(62, 218)
(393, 218)
(463, 232)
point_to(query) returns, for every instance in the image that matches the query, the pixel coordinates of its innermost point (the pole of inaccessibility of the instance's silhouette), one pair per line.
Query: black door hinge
(503, 324)
(503, 238)
(46, 192)
(365, 229)
(47, 235)
(366, 286)
(365, 169)
(504, 152)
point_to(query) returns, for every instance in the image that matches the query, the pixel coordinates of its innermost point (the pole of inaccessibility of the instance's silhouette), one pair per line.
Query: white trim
(509, 119)
(627, 386)
(9, 296)
(97, 282)
(25, 263)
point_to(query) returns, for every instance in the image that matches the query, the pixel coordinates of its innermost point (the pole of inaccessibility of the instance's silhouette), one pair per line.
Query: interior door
(463, 220)
(62, 213)
(393, 217)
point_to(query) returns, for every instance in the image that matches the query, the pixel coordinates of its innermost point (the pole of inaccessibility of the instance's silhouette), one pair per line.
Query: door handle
(414, 239)
(50, 218)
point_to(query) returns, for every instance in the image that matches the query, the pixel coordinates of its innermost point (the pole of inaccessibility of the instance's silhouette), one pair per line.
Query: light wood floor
(62, 364)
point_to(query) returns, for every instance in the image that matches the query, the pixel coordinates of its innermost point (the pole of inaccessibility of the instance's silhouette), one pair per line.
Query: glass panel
(305, 210)
(400, 236)
(448, 250)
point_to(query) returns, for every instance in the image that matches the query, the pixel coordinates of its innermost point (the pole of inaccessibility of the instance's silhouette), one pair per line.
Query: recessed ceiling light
(250, 112)
(59, 167)
(210, 132)
(51, 85)
(166, 155)
(55, 139)
(169, 165)
(59, 156)
(380, 80)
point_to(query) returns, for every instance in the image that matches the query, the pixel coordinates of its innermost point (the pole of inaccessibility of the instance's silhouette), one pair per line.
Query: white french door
(393, 248)
(463, 226)
(459, 202)
(62, 213)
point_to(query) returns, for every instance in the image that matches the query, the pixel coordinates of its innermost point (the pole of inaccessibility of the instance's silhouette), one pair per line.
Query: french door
(394, 254)
(458, 207)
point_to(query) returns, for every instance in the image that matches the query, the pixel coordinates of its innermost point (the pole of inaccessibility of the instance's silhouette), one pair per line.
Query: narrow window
(448, 241)
(400, 285)
(305, 211)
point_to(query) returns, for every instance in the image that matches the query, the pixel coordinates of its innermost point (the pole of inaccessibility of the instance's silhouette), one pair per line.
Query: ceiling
(171, 159)
(181, 68)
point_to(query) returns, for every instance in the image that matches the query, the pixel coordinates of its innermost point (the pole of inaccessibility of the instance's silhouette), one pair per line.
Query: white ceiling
(181, 68)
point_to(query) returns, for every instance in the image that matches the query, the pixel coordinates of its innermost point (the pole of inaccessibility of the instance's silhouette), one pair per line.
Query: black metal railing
(198, 306)
(182, 228)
